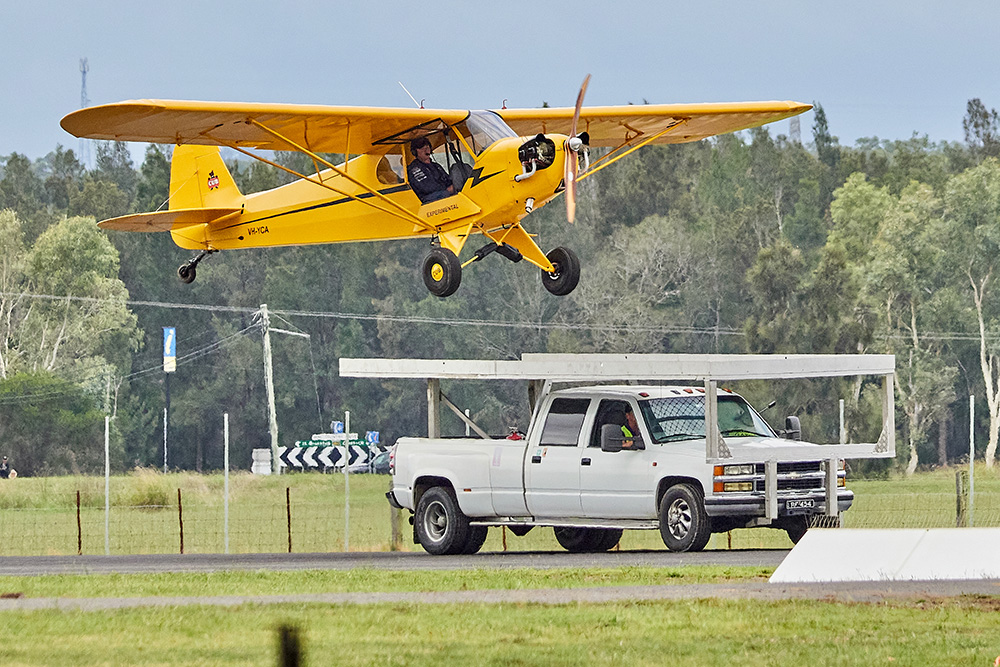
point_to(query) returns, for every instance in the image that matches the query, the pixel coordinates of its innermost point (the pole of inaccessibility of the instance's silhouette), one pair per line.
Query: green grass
(38, 515)
(689, 632)
(366, 580)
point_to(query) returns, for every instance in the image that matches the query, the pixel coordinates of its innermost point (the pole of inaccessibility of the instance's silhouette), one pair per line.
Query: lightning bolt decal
(477, 176)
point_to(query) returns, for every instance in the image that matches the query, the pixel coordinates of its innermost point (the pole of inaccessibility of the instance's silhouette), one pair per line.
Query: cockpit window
(482, 128)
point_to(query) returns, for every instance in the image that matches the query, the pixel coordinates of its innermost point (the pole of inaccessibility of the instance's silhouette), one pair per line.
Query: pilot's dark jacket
(429, 181)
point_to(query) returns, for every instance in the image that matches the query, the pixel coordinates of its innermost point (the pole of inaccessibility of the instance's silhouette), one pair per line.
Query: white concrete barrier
(892, 555)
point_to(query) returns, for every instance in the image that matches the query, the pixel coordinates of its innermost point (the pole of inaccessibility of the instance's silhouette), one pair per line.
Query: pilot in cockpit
(428, 179)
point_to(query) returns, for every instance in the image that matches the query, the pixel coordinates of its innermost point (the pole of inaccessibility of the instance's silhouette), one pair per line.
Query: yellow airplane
(501, 165)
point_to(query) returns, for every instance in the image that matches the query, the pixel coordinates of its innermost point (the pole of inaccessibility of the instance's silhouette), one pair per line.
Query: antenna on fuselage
(420, 104)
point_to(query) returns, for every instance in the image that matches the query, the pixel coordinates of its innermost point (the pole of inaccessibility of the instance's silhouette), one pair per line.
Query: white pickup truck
(589, 470)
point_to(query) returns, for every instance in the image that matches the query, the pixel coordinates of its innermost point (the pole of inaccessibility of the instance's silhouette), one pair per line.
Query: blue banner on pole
(169, 349)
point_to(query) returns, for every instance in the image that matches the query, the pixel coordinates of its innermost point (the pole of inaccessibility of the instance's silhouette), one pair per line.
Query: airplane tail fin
(199, 179)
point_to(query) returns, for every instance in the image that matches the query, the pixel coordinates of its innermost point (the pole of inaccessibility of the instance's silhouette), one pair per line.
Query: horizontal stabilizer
(164, 221)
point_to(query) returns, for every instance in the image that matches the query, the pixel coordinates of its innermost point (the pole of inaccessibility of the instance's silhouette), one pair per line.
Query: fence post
(79, 527)
(961, 507)
(972, 455)
(180, 518)
(225, 492)
(288, 513)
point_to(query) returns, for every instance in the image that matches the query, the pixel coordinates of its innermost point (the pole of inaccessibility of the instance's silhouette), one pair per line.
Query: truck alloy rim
(679, 518)
(435, 520)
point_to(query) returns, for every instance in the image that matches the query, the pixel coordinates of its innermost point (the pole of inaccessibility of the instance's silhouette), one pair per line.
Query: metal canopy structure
(541, 370)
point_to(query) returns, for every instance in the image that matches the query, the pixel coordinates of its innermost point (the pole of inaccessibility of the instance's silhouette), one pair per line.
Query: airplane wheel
(567, 274)
(186, 272)
(442, 272)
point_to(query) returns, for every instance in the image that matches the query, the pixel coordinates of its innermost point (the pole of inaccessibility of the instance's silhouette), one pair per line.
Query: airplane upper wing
(613, 126)
(321, 129)
(341, 129)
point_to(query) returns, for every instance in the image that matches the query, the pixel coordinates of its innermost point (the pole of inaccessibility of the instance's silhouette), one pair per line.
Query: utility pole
(272, 415)
(265, 323)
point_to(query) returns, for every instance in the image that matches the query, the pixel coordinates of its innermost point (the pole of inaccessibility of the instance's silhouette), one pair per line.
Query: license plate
(800, 504)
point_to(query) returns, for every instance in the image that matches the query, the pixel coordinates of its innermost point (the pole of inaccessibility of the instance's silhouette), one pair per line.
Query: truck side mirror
(793, 428)
(611, 438)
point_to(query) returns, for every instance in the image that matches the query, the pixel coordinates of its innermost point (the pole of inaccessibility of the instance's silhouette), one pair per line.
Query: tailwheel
(564, 279)
(188, 270)
(442, 272)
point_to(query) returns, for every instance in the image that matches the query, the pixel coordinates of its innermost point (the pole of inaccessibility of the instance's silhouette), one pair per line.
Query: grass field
(38, 515)
(961, 631)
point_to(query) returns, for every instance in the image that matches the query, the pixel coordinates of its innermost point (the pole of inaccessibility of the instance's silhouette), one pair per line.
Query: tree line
(750, 242)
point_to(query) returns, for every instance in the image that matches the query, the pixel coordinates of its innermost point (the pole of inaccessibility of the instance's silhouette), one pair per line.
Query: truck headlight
(737, 486)
(743, 469)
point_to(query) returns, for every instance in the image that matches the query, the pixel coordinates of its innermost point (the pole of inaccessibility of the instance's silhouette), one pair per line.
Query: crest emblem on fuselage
(213, 180)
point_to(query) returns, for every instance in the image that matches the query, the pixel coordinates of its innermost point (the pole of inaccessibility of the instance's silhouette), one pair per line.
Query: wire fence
(315, 518)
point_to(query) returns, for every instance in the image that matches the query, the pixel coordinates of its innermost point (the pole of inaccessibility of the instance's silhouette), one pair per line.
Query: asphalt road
(854, 592)
(37, 565)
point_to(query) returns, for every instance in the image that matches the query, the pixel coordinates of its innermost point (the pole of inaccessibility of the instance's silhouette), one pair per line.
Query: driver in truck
(630, 429)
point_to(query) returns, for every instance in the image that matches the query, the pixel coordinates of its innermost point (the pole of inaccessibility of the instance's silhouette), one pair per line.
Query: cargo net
(675, 418)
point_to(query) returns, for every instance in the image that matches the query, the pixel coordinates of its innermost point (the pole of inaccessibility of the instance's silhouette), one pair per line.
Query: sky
(884, 68)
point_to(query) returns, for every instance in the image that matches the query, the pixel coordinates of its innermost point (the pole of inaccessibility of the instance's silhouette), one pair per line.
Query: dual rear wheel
(441, 526)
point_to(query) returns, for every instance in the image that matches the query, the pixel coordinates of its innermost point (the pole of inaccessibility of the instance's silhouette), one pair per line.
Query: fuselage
(341, 205)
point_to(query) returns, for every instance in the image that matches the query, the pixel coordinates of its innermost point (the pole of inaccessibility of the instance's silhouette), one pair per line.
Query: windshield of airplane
(483, 128)
(683, 418)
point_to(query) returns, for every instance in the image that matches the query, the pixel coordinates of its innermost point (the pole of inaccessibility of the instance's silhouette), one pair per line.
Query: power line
(418, 319)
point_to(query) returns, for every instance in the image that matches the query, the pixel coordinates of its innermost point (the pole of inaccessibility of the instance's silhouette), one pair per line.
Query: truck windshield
(683, 418)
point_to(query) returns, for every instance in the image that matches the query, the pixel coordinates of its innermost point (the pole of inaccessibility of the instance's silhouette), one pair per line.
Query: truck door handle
(536, 459)
(585, 462)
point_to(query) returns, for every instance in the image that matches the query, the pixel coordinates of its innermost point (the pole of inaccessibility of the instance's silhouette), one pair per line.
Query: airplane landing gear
(442, 272)
(564, 279)
(188, 270)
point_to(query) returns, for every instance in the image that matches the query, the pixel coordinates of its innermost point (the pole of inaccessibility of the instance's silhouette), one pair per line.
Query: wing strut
(609, 160)
(343, 172)
(407, 215)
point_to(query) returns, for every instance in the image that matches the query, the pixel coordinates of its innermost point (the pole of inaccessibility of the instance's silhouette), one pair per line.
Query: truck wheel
(477, 536)
(796, 528)
(577, 540)
(609, 538)
(441, 527)
(684, 524)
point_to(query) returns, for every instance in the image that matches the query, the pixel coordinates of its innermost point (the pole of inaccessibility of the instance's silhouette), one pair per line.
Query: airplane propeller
(575, 143)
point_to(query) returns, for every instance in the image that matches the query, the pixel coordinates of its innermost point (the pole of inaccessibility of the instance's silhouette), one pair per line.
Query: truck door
(616, 484)
(552, 464)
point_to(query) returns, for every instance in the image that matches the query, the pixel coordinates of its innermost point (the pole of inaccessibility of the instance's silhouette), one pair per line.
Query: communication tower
(794, 130)
(84, 103)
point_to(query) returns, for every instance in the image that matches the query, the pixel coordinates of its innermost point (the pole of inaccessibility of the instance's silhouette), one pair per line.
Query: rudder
(199, 179)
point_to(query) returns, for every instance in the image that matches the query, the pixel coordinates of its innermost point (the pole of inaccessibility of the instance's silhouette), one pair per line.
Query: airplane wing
(321, 129)
(357, 130)
(617, 125)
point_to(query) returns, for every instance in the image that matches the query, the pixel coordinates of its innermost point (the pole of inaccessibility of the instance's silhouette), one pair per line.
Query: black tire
(684, 524)
(442, 272)
(187, 273)
(577, 540)
(564, 279)
(587, 540)
(477, 536)
(440, 525)
(609, 538)
(796, 528)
